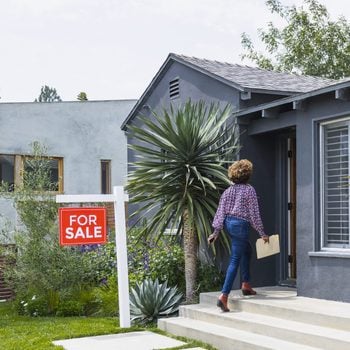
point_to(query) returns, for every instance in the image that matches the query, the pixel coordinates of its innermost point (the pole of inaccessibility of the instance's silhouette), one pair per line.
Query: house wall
(83, 133)
(319, 276)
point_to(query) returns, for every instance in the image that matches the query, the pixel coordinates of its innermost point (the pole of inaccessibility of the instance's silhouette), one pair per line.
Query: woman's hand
(212, 238)
(266, 239)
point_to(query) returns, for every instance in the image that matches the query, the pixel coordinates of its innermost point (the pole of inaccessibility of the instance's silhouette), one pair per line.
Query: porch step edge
(225, 338)
(284, 329)
(300, 309)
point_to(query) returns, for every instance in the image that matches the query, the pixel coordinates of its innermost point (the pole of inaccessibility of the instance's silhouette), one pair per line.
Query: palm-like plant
(179, 173)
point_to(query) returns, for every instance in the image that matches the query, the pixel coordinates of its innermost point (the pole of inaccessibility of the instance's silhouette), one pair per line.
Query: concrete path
(128, 341)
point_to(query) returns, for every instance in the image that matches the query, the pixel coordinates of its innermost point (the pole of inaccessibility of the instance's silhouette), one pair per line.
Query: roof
(243, 78)
(338, 85)
(252, 78)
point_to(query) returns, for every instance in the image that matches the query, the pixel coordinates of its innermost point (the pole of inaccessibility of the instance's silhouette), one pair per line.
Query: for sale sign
(82, 226)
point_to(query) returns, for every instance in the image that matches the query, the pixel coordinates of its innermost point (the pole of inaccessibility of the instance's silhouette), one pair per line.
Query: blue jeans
(241, 250)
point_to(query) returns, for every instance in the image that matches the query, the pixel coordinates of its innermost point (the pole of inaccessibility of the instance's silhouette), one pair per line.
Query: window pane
(7, 170)
(42, 173)
(105, 176)
(336, 188)
(54, 173)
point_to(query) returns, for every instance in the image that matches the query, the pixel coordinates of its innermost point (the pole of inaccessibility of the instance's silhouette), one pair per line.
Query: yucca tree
(179, 173)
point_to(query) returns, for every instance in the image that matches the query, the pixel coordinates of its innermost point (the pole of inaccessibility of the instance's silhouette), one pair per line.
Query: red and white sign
(82, 226)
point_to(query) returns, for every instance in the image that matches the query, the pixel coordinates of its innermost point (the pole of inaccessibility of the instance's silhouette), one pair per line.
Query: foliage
(179, 173)
(106, 296)
(35, 306)
(99, 261)
(210, 279)
(156, 259)
(151, 300)
(82, 96)
(69, 308)
(178, 166)
(48, 94)
(167, 264)
(42, 267)
(310, 43)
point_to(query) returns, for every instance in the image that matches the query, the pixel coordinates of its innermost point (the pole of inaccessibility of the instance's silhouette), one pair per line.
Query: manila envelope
(266, 249)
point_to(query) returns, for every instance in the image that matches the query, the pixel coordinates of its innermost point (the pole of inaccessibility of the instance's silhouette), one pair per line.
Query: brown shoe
(247, 289)
(222, 303)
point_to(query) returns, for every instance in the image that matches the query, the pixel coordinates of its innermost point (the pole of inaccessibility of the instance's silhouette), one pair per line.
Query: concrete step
(301, 333)
(283, 303)
(225, 338)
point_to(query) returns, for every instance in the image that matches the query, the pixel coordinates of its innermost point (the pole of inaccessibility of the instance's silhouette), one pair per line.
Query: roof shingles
(253, 78)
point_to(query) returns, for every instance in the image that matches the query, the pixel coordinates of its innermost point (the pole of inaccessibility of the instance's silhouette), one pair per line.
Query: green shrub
(38, 307)
(162, 260)
(32, 306)
(167, 263)
(69, 308)
(210, 279)
(107, 297)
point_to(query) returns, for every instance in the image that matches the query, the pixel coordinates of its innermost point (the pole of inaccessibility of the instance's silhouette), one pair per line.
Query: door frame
(286, 204)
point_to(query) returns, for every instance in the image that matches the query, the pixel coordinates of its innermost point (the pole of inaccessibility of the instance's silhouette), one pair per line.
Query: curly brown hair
(240, 171)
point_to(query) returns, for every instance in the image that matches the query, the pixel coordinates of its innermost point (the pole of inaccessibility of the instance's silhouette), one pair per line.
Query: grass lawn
(37, 333)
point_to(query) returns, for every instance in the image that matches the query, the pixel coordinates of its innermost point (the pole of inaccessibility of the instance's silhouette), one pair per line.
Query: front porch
(276, 318)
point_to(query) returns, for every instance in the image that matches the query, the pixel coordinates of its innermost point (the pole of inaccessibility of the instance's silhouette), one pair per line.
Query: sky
(111, 49)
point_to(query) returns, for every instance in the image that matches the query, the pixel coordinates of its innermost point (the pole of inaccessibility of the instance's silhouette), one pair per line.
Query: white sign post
(118, 198)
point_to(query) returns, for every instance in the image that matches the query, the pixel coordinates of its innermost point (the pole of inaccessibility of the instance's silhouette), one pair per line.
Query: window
(106, 176)
(335, 184)
(12, 168)
(54, 167)
(7, 170)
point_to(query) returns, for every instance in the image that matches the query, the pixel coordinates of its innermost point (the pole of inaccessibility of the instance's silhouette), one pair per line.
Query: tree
(48, 94)
(309, 44)
(180, 173)
(82, 96)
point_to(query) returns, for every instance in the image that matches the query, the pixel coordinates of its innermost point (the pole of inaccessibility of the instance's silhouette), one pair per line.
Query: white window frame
(322, 184)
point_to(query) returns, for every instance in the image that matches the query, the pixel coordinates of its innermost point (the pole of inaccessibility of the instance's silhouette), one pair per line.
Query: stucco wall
(317, 276)
(321, 277)
(83, 133)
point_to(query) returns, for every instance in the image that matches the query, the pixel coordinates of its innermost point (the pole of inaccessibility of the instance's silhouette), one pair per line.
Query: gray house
(88, 150)
(297, 135)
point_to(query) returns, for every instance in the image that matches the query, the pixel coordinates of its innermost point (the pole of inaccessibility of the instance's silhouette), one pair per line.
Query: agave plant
(151, 300)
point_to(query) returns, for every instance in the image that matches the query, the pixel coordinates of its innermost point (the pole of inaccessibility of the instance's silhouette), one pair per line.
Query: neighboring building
(88, 149)
(297, 135)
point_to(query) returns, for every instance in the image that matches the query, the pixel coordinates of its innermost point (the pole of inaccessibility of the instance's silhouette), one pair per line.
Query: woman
(238, 209)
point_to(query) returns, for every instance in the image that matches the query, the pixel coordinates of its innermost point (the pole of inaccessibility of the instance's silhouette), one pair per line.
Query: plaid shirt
(240, 201)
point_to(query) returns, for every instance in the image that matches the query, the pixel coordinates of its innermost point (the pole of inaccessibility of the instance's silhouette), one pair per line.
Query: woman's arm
(254, 213)
(219, 217)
